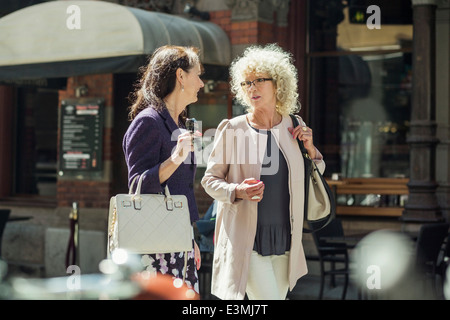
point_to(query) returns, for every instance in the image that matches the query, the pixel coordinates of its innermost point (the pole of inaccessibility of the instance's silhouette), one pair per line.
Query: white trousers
(268, 277)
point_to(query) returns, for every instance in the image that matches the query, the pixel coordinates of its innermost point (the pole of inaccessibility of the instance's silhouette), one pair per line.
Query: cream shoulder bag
(319, 200)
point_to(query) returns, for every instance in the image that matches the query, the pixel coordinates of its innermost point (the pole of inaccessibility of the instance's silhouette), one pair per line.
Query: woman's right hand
(185, 145)
(250, 189)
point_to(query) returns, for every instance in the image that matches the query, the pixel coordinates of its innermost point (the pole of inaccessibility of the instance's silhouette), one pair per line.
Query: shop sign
(81, 139)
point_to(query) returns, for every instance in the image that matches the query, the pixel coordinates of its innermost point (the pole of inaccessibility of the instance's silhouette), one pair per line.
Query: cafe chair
(331, 254)
(444, 259)
(428, 248)
(4, 216)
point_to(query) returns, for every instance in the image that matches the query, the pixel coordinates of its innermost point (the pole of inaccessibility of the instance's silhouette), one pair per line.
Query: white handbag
(149, 223)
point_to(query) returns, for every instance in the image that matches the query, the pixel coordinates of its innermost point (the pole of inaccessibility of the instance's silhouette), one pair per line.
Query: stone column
(422, 205)
(443, 105)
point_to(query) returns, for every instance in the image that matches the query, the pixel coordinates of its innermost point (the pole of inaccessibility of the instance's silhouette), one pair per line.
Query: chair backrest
(444, 257)
(429, 243)
(446, 251)
(4, 216)
(333, 229)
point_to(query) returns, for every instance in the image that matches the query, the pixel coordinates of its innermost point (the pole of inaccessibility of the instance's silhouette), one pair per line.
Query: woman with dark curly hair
(158, 143)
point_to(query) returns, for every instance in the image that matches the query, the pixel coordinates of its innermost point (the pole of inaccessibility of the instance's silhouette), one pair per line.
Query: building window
(360, 89)
(35, 154)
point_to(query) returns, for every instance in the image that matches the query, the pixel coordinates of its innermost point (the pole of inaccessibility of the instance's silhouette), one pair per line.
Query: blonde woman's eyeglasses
(257, 82)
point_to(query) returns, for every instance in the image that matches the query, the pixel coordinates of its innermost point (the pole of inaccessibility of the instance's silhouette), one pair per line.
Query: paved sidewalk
(308, 288)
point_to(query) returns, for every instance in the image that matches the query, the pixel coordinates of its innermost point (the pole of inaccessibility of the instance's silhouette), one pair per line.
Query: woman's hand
(250, 189)
(304, 134)
(197, 256)
(185, 145)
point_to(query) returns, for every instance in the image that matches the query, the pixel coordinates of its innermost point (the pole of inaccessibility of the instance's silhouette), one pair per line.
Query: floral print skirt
(172, 264)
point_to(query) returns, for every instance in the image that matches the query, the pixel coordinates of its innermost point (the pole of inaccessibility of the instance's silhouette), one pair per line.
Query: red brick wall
(249, 32)
(253, 32)
(244, 32)
(89, 193)
(222, 19)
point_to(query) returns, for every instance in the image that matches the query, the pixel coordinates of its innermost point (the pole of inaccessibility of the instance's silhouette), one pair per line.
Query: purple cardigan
(148, 142)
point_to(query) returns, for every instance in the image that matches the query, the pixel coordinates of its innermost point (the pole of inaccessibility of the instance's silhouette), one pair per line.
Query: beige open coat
(237, 154)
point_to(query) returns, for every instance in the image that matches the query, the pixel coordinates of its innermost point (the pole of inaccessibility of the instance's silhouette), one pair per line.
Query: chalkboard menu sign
(81, 138)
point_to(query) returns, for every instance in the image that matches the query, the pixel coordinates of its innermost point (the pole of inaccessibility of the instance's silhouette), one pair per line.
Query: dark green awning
(44, 40)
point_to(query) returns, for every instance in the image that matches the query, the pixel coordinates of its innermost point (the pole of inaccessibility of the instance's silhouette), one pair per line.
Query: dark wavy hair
(158, 77)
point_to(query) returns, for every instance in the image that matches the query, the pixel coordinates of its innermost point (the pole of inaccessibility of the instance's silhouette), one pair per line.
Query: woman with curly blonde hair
(273, 61)
(256, 174)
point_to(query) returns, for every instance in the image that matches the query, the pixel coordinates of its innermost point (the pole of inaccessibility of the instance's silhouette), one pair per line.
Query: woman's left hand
(305, 134)
(197, 256)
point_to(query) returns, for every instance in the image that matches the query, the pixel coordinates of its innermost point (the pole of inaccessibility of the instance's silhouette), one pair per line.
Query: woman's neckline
(258, 129)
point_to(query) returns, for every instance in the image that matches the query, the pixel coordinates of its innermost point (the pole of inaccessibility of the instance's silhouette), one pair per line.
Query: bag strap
(308, 171)
(132, 185)
(139, 185)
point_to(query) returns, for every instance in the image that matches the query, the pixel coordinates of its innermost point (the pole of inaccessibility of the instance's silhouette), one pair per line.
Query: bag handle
(137, 194)
(305, 154)
(132, 185)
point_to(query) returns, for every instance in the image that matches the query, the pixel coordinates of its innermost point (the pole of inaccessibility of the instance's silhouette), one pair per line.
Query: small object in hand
(190, 124)
(256, 197)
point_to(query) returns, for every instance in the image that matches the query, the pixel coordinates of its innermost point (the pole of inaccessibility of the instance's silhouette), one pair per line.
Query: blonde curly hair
(273, 61)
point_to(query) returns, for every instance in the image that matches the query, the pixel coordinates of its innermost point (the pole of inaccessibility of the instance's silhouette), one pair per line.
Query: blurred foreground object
(384, 265)
(447, 285)
(86, 287)
(162, 287)
(120, 277)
